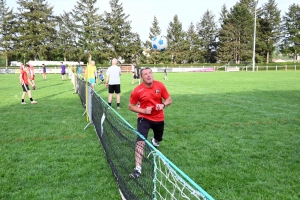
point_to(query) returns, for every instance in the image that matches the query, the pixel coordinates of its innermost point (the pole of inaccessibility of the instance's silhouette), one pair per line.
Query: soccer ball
(159, 43)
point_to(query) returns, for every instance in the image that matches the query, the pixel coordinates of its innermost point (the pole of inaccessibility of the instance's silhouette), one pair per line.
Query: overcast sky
(142, 12)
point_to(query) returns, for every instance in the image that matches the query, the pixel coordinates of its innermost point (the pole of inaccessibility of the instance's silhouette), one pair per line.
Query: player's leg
(30, 96)
(110, 94)
(143, 127)
(158, 130)
(25, 89)
(118, 96)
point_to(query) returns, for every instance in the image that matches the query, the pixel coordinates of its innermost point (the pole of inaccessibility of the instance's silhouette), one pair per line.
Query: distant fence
(127, 69)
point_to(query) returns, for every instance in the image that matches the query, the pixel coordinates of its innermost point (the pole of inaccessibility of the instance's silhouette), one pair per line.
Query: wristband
(164, 105)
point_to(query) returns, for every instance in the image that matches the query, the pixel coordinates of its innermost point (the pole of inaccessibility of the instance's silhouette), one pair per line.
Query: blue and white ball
(159, 43)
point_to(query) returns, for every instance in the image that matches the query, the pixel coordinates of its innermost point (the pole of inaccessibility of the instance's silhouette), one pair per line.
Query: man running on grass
(148, 100)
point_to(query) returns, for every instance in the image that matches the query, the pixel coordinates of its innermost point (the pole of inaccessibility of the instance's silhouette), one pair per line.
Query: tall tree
(223, 14)
(207, 30)
(67, 38)
(225, 35)
(177, 42)
(195, 54)
(36, 28)
(236, 33)
(155, 57)
(154, 31)
(6, 30)
(122, 42)
(291, 29)
(268, 30)
(88, 28)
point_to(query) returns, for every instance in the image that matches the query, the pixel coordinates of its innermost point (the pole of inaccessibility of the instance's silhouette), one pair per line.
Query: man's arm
(107, 79)
(168, 101)
(136, 109)
(21, 79)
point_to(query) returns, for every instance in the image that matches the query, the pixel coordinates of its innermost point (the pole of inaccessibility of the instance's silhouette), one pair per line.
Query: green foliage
(33, 32)
(177, 43)
(268, 32)
(35, 28)
(207, 30)
(154, 57)
(291, 27)
(236, 34)
(195, 55)
(87, 29)
(6, 30)
(122, 42)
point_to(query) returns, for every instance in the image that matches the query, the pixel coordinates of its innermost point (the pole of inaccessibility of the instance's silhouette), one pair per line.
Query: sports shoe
(135, 174)
(34, 102)
(23, 102)
(119, 108)
(156, 144)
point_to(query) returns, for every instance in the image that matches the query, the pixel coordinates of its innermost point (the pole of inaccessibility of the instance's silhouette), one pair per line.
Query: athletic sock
(118, 104)
(22, 100)
(139, 169)
(109, 104)
(31, 99)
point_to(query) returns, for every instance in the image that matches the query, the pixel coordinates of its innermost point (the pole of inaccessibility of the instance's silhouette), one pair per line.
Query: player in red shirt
(25, 85)
(148, 100)
(32, 75)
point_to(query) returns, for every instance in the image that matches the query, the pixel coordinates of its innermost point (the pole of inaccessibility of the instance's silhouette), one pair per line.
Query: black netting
(118, 140)
(80, 90)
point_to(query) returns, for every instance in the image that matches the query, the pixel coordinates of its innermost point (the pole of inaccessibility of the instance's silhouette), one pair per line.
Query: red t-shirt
(24, 77)
(147, 97)
(31, 72)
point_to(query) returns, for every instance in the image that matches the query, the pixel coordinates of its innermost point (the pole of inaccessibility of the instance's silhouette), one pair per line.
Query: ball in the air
(159, 43)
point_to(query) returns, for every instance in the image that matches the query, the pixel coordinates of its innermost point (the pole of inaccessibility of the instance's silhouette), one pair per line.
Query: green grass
(235, 134)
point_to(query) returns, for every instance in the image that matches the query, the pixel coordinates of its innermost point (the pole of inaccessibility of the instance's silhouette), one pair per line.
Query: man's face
(147, 76)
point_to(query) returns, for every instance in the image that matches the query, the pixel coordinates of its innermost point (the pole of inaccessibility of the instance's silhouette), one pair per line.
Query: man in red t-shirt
(148, 100)
(32, 76)
(25, 85)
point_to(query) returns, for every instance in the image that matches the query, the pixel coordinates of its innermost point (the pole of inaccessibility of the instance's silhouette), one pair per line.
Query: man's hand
(148, 110)
(160, 106)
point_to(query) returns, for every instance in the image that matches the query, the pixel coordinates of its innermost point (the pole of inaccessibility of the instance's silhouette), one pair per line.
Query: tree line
(35, 33)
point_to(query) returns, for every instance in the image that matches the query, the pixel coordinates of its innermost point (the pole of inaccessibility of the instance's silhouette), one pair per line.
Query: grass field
(235, 134)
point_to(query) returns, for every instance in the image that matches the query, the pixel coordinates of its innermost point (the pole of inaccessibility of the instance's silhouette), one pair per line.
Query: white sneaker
(23, 102)
(34, 102)
(156, 144)
(119, 108)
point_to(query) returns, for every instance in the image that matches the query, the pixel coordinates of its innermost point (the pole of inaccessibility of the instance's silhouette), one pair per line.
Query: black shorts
(114, 89)
(144, 125)
(25, 87)
(136, 76)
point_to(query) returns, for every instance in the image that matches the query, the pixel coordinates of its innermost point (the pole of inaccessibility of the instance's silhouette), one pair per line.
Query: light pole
(254, 38)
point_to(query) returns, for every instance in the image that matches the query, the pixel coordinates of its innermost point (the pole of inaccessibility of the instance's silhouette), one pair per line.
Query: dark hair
(144, 69)
(27, 65)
